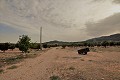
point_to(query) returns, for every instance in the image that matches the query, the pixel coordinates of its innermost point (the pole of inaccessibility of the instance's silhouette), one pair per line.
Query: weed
(54, 78)
(71, 68)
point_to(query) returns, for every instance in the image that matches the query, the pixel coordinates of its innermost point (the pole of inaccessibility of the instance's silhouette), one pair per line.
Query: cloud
(60, 19)
(106, 26)
(97, 0)
(116, 1)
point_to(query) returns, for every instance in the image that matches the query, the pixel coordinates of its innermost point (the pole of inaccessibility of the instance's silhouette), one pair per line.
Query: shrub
(54, 78)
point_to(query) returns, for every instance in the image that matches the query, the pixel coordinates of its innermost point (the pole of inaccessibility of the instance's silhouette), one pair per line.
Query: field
(63, 64)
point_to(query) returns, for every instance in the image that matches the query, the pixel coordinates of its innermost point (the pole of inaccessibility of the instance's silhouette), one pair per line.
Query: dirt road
(68, 65)
(32, 69)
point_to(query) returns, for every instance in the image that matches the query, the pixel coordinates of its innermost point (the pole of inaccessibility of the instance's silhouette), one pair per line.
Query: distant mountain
(114, 37)
(56, 42)
(60, 42)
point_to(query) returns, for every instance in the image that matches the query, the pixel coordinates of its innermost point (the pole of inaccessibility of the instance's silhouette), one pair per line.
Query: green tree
(105, 44)
(12, 46)
(4, 47)
(45, 46)
(24, 43)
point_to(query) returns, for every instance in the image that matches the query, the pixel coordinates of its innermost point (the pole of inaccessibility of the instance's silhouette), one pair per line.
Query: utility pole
(40, 38)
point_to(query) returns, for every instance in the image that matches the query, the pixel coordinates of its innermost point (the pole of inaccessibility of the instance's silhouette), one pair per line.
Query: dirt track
(68, 65)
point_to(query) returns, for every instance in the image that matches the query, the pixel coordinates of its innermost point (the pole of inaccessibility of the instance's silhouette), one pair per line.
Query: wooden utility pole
(40, 38)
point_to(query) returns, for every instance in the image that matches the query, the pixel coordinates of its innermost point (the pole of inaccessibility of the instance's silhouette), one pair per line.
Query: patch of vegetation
(71, 68)
(1, 71)
(12, 67)
(12, 60)
(31, 55)
(55, 78)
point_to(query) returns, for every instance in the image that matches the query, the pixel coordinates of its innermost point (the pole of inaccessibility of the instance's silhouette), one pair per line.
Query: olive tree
(24, 43)
(4, 46)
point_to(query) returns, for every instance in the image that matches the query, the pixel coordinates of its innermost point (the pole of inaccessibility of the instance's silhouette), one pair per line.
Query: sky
(64, 20)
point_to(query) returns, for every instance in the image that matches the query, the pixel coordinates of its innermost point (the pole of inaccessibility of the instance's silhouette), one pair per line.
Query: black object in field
(83, 51)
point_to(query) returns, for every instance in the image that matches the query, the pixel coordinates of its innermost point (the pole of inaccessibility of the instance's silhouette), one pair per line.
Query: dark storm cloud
(96, 0)
(116, 1)
(106, 26)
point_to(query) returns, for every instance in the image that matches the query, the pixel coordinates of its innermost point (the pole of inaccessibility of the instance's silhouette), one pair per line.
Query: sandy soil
(68, 65)
(9, 53)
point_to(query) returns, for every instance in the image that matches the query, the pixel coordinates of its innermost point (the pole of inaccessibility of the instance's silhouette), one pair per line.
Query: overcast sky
(65, 20)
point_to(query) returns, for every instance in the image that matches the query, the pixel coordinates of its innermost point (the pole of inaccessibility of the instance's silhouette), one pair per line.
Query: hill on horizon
(113, 37)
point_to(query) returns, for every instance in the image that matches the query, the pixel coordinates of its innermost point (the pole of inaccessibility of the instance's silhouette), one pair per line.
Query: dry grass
(1, 71)
(12, 67)
(14, 57)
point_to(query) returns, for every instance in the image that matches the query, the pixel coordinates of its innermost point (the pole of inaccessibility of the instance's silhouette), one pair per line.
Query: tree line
(24, 44)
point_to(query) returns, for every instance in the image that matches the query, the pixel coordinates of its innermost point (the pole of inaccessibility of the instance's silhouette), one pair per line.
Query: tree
(4, 47)
(24, 43)
(45, 46)
(111, 43)
(105, 43)
(12, 46)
